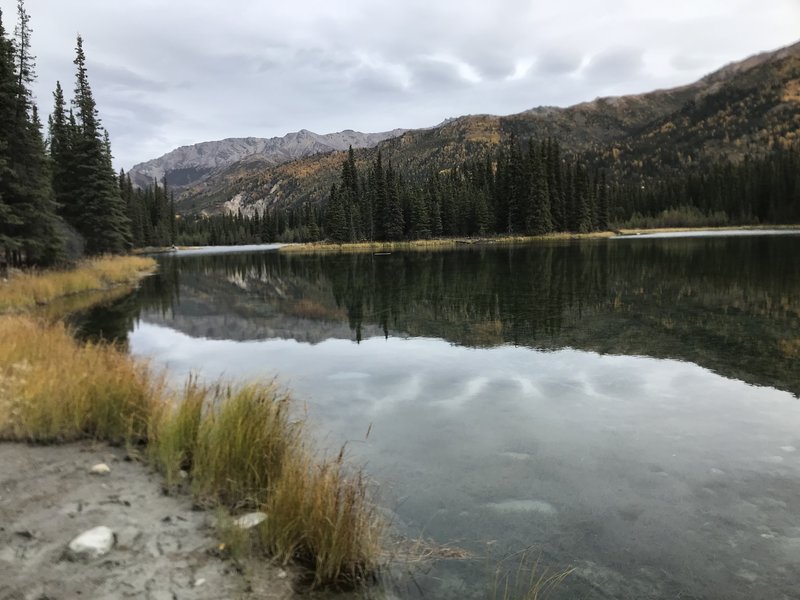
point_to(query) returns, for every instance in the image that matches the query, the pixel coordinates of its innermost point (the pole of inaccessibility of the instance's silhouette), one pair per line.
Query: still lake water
(626, 407)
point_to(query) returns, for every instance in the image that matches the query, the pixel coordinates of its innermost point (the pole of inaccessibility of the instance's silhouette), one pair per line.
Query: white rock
(100, 469)
(94, 543)
(282, 574)
(199, 582)
(250, 520)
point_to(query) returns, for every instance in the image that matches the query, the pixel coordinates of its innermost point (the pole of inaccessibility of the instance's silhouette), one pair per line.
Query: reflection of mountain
(729, 304)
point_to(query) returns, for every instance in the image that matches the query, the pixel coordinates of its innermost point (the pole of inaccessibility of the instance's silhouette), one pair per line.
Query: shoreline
(422, 245)
(162, 544)
(444, 243)
(84, 285)
(56, 393)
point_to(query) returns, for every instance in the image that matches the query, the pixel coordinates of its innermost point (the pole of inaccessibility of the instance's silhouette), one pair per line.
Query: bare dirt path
(162, 547)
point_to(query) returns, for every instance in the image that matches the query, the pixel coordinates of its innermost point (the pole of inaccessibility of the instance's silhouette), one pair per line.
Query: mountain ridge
(193, 163)
(750, 103)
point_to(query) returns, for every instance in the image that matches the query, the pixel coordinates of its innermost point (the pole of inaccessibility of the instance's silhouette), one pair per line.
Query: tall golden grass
(53, 390)
(237, 447)
(25, 290)
(243, 442)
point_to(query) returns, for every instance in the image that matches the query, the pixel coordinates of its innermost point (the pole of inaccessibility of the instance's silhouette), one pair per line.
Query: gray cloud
(167, 74)
(558, 62)
(433, 75)
(615, 65)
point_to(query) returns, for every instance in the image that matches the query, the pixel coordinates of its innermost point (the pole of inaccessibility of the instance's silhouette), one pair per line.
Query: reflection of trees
(112, 321)
(729, 304)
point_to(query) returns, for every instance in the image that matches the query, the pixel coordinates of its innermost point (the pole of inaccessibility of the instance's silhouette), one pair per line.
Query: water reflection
(595, 400)
(729, 304)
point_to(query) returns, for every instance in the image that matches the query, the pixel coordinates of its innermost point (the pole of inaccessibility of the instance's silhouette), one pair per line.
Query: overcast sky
(170, 73)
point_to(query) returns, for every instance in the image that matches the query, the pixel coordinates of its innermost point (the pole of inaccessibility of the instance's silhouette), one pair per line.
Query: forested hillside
(527, 188)
(658, 151)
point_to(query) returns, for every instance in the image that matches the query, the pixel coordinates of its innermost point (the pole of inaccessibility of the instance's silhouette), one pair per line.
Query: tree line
(529, 188)
(60, 197)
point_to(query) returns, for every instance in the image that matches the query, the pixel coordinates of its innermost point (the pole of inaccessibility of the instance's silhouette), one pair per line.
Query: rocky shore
(70, 528)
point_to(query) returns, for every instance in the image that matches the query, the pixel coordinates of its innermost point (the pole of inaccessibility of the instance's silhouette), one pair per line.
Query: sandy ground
(164, 550)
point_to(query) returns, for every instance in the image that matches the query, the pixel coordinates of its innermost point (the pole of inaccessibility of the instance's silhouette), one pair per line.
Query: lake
(627, 408)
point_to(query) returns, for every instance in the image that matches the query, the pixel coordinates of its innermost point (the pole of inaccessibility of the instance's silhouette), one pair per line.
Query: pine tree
(583, 214)
(95, 204)
(602, 203)
(336, 225)
(29, 230)
(394, 224)
(9, 220)
(540, 220)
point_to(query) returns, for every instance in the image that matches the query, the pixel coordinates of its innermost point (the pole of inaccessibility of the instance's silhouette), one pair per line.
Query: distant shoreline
(453, 242)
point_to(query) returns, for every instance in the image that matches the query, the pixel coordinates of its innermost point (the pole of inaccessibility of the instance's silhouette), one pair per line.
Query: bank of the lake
(230, 448)
(455, 242)
(436, 243)
(24, 291)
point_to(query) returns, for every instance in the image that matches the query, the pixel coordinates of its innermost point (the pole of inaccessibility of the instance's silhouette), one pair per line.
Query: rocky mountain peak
(189, 165)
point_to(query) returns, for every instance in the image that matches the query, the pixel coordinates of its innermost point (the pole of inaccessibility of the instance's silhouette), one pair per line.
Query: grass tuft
(320, 515)
(173, 431)
(242, 445)
(527, 581)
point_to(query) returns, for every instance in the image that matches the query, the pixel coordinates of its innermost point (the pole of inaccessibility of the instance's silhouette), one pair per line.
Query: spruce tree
(540, 219)
(95, 206)
(602, 203)
(336, 225)
(394, 224)
(9, 220)
(29, 229)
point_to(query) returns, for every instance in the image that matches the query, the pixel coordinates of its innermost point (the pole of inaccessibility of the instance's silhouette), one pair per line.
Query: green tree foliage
(535, 189)
(46, 197)
(29, 228)
(151, 212)
(93, 204)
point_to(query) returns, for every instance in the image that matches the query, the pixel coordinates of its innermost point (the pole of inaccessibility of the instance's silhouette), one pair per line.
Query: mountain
(745, 107)
(190, 165)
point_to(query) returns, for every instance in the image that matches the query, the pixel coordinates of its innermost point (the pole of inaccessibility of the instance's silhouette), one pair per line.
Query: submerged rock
(250, 520)
(533, 506)
(93, 543)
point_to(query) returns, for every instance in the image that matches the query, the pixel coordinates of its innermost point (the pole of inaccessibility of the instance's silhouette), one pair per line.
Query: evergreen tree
(29, 231)
(95, 204)
(540, 219)
(336, 225)
(602, 203)
(583, 214)
(394, 224)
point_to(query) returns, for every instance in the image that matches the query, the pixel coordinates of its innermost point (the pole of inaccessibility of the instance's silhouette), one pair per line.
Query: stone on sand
(93, 543)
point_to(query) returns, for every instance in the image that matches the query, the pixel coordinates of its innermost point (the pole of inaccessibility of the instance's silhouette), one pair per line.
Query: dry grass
(321, 516)
(243, 444)
(527, 581)
(433, 244)
(29, 289)
(173, 431)
(52, 390)
(327, 247)
(237, 447)
(641, 231)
